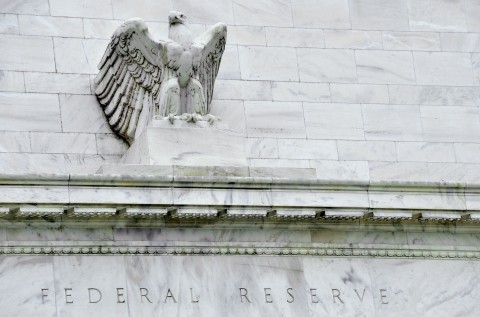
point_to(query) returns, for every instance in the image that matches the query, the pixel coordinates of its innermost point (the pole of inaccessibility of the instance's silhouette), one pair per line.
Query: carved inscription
(95, 295)
(336, 296)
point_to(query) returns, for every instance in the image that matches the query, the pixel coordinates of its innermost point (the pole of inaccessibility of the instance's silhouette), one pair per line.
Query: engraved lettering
(290, 293)
(363, 295)
(268, 295)
(243, 293)
(120, 296)
(336, 294)
(313, 295)
(169, 295)
(191, 296)
(99, 295)
(144, 293)
(44, 295)
(68, 294)
(383, 296)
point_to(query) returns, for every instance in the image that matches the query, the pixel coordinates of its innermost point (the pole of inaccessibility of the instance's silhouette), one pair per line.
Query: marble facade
(345, 179)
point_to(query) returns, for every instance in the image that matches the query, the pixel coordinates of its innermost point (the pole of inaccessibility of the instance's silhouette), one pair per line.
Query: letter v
(363, 294)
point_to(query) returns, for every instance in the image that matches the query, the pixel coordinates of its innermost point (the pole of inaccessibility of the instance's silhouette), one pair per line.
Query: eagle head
(177, 17)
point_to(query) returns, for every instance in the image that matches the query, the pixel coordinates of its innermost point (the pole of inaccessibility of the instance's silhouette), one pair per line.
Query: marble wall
(236, 286)
(357, 89)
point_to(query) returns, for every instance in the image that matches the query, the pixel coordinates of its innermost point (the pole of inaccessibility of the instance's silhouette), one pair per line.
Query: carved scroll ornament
(141, 79)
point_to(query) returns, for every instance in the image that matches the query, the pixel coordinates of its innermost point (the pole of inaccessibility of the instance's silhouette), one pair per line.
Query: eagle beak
(173, 17)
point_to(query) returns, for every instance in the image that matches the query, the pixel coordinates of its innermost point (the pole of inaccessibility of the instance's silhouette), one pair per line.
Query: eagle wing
(213, 45)
(128, 83)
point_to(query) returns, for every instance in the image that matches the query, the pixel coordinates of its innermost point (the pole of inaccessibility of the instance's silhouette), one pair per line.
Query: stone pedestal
(187, 144)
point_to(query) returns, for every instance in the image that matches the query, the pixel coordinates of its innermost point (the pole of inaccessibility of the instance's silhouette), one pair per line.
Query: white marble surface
(472, 10)
(418, 41)
(87, 163)
(293, 91)
(294, 37)
(14, 142)
(187, 144)
(454, 69)
(385, 67)
(110, 144)
(425, 151)
(342, 170)
(467, 152)
(12, 81)
(438, 15)
(212, 286)
(261, 162)
(81, 113)
(25, 53)
(34, 194)
(307, 149)
(443, 123)
(231, 111)
(268, 63)
(75, 55)
(274, 119)
(8, 24)
(230, 66)
(210, 12)
(147, 9)
(246, 35)
(262, 148)
(327, 65)
(466, 42)
(19, 109)
(242, 90)
(391, 122)
(359, 93)
(50, 26)
(379, 14)
(109, 195)
(425, 171)
(43, 142)
(321, 14)
(57, 83)
(267, 12)
(334, 121)
(353, 39)
(86, 8)
(366, 150)
(25, 6)
(476, 67)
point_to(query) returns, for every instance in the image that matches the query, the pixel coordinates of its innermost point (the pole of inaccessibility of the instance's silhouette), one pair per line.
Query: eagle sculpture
(141, 79)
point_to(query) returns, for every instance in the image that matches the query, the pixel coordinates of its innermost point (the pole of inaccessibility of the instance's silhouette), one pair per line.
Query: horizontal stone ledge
(270, 214)
(114, 180)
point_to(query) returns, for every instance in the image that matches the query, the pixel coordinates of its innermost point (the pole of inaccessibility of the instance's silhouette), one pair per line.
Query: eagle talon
(197, 117)
(187, 117)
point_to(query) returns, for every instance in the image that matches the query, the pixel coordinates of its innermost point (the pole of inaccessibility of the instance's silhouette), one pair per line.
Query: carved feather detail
(128, 83)
(213, 41)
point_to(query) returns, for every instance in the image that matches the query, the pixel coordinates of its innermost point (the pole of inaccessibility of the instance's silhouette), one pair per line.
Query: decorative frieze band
(248, 249)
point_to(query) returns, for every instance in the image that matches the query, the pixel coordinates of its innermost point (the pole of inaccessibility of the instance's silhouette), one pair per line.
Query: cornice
(270, 199)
